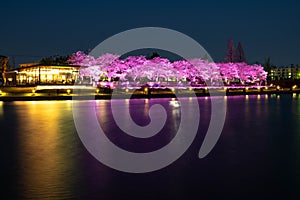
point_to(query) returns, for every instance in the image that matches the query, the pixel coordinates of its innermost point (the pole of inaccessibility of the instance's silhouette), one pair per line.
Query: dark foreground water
(257, 155)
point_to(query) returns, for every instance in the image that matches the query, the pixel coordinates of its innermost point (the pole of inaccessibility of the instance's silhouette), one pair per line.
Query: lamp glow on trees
(139, 70)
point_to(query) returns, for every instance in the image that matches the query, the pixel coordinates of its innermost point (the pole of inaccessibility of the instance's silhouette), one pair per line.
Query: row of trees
(234, 55)
(140, 69)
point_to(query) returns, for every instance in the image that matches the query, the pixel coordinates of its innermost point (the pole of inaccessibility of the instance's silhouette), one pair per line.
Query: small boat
(175, 104)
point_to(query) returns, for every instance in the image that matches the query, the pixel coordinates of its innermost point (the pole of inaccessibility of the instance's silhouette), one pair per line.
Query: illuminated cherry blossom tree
(77, 58)
(246, 74)
(138, 69)
(229, 72)
(208, 71)
(91, 67)
(184, 68)
(154, 70)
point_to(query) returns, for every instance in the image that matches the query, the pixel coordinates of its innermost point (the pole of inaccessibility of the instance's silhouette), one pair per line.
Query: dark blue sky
(41, 28)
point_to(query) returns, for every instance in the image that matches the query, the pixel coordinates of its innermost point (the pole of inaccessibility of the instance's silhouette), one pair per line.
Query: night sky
(34, 29)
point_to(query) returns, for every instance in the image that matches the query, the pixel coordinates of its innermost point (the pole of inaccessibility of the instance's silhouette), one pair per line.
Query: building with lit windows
(38, 74)
(284, 73)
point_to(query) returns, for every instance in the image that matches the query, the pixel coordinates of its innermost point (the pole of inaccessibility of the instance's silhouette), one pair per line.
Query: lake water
(257, 155)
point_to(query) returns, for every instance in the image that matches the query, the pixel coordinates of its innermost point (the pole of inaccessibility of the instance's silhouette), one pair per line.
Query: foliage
(55, 60)
(139, 69)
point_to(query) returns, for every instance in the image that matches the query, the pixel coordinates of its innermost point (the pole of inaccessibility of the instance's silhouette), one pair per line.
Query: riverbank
(72, 92)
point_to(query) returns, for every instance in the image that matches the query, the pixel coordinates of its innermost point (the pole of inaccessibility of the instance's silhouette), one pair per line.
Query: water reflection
(294, 95)
(46, 149)
(259, 145)
(1, 109)
(266, 96)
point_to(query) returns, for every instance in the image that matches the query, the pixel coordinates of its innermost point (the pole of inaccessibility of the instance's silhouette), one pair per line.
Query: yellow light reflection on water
(69, 104)
(43, 148)
(146, 108)
(1, 108)
(294, 95)
(102, 109)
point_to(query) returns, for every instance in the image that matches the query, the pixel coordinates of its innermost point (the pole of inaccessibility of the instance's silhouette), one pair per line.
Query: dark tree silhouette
(55, 60)
(3, 63)
(267, 65)
(240, 54)
(230, 52)
(3, 68)
(153, 55)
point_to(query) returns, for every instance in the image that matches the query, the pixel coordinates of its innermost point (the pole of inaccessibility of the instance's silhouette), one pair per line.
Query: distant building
(39, 74)
(284, 73)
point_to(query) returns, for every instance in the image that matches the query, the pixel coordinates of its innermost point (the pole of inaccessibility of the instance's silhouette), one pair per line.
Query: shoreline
(63, 94)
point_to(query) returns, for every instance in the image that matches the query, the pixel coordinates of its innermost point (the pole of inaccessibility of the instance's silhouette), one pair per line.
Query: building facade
(37, 74)
(284, 73)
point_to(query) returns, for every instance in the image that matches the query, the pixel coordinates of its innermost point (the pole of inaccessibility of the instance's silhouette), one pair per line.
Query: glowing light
(47, 139)
(68, 91)
(126, 90)
(138, 69)
(278, 87)
(174, 103)
(54, 71)
(69, 104)
(294, 95)
(1, 108)
(97, 91)
(294, 87)
(43, 87)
